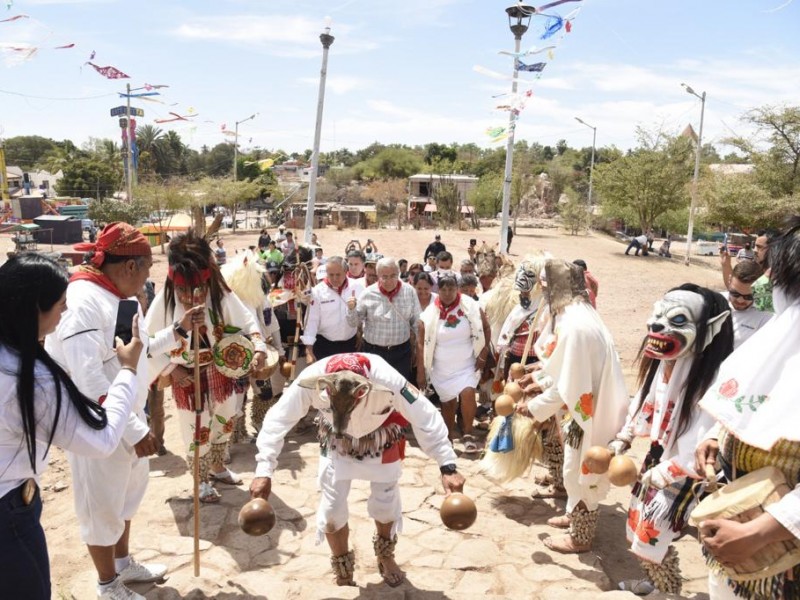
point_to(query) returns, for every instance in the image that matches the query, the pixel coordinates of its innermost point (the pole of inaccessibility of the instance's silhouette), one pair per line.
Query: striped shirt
(386, 322)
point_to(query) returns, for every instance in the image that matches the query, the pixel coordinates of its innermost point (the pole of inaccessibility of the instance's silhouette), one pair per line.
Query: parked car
(87, 224)
(736, 242)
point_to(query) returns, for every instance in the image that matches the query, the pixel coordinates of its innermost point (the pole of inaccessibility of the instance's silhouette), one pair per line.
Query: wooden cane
(528, 344)
(296, 347)
(197, 299)
(302, 278)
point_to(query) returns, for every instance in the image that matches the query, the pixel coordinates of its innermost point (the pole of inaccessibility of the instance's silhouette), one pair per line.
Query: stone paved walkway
(501, 556)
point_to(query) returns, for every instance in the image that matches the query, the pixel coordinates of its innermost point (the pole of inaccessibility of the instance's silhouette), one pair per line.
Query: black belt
(389, 348)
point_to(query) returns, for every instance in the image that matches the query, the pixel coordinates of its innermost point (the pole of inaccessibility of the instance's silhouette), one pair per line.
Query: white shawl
(430, 319)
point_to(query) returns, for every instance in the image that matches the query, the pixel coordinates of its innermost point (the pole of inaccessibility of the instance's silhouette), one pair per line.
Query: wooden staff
(302, 277)
(296, 347)
(534, 326)
(197, 299)
(528, 344)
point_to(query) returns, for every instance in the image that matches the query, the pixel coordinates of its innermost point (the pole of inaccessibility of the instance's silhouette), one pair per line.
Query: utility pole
(327, 39)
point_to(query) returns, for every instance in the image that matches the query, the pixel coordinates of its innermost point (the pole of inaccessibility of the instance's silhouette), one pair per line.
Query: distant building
(421, 193)
(38, 182)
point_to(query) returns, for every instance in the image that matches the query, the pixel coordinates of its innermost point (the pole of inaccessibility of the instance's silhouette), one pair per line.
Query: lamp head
(689, 89)
(519, 18)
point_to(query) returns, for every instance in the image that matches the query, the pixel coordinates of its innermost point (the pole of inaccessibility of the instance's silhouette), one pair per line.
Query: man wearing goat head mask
(688, 336)
(364, 408)
(580, 369)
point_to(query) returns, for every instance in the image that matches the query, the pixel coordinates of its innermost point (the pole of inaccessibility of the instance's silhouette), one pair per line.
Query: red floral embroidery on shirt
(647, 532)
(585, 406)
(633, 518)
(729, 388)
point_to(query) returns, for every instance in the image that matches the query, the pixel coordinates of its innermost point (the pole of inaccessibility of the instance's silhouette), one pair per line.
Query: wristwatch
(447, 469)
(180, 330)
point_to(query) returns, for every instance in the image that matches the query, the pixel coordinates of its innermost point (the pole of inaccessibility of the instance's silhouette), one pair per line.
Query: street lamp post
(693, 204)
(591, 165)
(519, 19)
(327, 39)
(236, 145)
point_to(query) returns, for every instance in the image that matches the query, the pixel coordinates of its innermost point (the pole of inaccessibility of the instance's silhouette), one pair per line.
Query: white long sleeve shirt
(71, 432)
(429, 428)
(83, 344)
(327, 312)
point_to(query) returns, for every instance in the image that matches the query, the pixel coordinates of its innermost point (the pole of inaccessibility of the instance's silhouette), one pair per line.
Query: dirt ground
(628, 287)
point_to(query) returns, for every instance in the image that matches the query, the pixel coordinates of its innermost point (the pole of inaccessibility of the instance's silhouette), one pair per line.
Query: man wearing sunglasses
(747, 319)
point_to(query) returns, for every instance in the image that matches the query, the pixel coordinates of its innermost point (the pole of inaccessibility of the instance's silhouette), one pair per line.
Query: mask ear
(715, 326)
(361, 391)
(311, 383)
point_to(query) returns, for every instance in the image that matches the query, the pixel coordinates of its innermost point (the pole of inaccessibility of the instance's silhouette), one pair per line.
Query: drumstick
(711, 477)
(197, 299)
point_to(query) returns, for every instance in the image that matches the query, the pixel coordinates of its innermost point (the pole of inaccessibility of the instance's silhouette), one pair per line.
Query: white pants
(590, 489)
(718, 588)
(107, 492)
(383, 504)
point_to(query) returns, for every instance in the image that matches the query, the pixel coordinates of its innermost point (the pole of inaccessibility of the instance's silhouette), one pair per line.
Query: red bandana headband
(116, 239)
(357, 363)
(198, 278)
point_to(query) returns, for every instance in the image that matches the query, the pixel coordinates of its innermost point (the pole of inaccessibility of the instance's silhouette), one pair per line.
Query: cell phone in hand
(125, 313)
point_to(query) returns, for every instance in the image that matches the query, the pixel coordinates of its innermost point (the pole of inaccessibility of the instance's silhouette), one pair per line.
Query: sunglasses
(735, 294)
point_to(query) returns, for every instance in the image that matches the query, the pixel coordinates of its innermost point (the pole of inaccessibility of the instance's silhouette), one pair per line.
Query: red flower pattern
(647, 532)
(729, 388)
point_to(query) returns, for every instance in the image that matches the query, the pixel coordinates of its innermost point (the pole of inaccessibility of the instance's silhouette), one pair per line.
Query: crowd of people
(377, 345)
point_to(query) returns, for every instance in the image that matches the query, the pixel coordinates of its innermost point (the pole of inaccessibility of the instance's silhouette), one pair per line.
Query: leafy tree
(390, 163)
(231, 194)
(88, 178)
(387, 194)
(647, 182)
(574, 213)
(219, 160)
(340, 177)
(439, 152)
(778, 168)
(448, 203)
(108, 211)
(493, 161)
(487, 196)
(26, 151)
(737, 201)
(161, 198)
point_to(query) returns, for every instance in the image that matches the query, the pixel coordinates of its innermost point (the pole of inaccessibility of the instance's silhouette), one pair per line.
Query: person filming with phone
(40, 407)
(101, 301)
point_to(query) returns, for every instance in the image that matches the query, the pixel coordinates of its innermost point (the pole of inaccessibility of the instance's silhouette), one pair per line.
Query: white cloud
(287, 36)
(338, 84)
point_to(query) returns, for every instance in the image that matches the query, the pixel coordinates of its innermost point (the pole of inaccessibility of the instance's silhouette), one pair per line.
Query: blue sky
(398, 71)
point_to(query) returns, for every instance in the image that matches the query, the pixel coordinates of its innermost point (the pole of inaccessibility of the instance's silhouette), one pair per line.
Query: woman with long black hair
(40, 406)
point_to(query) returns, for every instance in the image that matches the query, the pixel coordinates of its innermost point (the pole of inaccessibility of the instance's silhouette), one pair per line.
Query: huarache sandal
(208, 495)
(227, 477)
(470, 445)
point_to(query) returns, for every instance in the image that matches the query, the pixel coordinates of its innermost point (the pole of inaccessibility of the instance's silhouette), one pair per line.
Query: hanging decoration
(175, 117)
(534, 68)
(556, 27)
(108, 72)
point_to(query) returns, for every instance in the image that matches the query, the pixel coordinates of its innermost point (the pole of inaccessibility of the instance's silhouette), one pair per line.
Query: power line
(53, 98)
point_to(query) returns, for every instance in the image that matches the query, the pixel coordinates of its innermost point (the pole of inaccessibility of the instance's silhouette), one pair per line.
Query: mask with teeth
(672, 328)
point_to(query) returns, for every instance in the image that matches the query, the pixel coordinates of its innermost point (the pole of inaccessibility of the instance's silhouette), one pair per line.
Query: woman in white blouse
(40, 406)
(452, 345)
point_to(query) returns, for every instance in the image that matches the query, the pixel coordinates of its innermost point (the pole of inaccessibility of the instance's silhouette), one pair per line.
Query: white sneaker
(117, 591)
(138, 573)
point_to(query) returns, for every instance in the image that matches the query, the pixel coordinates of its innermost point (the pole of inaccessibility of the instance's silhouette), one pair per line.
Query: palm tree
(148, 139)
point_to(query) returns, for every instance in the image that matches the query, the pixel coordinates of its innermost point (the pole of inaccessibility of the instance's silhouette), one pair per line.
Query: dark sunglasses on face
(735, 294)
